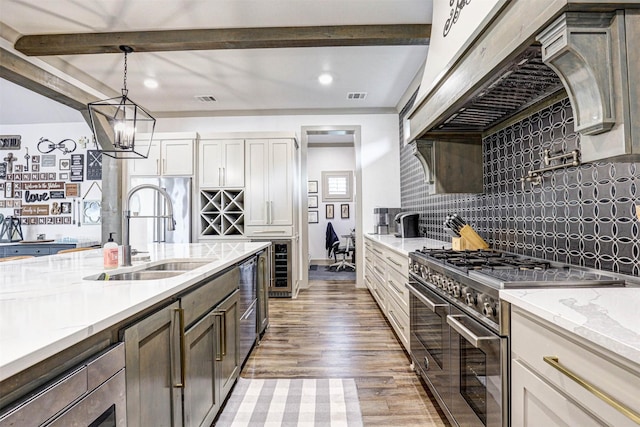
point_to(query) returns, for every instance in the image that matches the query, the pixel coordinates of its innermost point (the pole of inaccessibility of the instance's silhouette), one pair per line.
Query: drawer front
(397, 261)
(268, 231)
(399, 319)
(396, 288)
(533, 339)
(201, 300)
(28, 250)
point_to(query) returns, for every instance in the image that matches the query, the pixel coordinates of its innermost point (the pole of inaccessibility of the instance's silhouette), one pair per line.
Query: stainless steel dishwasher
(93, 394)
(248, 306)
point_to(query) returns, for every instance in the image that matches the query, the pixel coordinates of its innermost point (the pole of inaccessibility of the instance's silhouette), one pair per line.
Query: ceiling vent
(205, 98)
(356, 95)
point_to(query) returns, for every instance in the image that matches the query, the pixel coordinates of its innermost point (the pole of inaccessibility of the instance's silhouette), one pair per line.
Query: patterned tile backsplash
(581, 215)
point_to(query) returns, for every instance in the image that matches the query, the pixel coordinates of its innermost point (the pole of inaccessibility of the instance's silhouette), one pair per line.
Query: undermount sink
(177, 266)
(144, 275)
(162, 270)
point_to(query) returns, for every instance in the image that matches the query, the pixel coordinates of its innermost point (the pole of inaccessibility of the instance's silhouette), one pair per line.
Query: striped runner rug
(292, 402)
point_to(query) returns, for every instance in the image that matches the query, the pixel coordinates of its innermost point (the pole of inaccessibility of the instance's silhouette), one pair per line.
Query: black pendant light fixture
(117, 124)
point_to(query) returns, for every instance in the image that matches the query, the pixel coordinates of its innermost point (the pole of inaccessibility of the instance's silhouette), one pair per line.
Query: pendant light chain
(124, 89)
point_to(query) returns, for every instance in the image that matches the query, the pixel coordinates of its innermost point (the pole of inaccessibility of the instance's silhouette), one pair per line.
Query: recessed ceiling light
(325, 79)
(150, 83)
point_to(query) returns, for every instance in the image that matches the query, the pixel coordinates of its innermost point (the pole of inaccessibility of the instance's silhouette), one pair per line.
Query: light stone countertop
(404, 246)
(608, 317)
(46, 306)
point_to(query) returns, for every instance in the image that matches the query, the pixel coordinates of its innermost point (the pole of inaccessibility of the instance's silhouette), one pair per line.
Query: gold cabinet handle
(183, 361)
(627, 412)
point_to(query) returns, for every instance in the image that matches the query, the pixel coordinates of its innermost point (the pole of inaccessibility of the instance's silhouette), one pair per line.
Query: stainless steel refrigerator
(148, 202)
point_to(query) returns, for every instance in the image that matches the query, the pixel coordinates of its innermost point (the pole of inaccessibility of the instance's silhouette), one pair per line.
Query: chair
(345, 251)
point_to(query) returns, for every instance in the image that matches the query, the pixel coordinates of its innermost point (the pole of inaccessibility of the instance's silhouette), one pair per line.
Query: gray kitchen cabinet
(36, 249)
(152, 347)
(211, 362)
(183, 360)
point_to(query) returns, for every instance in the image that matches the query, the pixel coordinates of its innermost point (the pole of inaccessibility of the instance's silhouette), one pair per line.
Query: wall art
(344, 211)
(64, 164)
(48, 161)
(77, 168)
(313, 217)
(313, 186)
(94, 165)
(10, 142)
(91, 212)
(328, 211)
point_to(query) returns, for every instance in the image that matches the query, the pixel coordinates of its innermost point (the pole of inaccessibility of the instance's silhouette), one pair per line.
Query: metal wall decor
(10, 142)
(454, 14)
(66, 146)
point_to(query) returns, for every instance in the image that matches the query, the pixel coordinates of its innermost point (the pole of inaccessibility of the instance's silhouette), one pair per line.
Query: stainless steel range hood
(537, 52)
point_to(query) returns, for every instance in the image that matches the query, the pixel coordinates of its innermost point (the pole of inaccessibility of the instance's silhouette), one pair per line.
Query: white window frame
(347, 196)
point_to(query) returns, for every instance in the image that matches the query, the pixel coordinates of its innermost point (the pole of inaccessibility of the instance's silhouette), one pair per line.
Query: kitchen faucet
(171, 225)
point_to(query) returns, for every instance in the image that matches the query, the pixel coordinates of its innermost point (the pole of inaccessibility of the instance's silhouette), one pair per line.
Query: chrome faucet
(171, 225)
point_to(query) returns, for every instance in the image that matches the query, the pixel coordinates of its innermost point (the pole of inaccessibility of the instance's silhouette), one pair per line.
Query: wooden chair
(15, 258)
(66, 251)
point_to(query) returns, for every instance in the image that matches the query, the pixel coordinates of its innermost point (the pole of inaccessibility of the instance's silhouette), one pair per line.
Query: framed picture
(328, 211)
(63, 176)
(313, 217)
(344, 211)
(313, 186)
(313, 201)
(65, 164)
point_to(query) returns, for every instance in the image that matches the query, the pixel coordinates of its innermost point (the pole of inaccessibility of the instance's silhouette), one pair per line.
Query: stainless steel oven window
(427, 328)
(477, 372)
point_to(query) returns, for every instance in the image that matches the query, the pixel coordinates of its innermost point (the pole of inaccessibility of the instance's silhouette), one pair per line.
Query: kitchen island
(50, 308)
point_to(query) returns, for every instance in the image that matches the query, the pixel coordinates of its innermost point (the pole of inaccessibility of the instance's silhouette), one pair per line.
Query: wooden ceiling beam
(231, 38)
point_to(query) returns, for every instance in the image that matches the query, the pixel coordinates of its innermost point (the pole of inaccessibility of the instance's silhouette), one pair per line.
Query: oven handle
(473, 339)
(432, 306)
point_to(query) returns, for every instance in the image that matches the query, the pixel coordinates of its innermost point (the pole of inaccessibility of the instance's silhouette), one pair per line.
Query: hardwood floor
(334, 330)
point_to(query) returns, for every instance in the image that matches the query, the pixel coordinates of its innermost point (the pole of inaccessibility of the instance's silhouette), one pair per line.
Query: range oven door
(429, 339)
(478, 372)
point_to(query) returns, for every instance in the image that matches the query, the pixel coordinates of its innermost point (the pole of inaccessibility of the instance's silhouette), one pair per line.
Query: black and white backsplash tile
(581, 215)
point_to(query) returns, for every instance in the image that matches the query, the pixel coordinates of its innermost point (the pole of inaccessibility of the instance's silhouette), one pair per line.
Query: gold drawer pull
(627, 412)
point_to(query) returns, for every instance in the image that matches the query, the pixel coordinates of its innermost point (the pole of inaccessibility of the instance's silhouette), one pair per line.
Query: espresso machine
(383, 220)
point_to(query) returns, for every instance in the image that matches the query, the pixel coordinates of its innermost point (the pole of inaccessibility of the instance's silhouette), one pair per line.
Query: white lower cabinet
(545, 362)
(386, 275)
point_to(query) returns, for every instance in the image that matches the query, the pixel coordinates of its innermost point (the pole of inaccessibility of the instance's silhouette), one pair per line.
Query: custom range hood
(533, 53)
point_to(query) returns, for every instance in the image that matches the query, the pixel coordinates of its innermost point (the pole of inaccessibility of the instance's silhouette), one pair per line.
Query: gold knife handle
(621, 407)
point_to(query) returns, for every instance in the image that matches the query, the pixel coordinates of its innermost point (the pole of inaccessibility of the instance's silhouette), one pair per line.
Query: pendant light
(117, 124)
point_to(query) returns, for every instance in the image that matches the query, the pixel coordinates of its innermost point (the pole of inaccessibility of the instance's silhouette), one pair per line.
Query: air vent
(356, 95)
(205, 98)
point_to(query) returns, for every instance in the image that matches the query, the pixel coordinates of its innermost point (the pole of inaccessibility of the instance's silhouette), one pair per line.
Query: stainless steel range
(460, 331)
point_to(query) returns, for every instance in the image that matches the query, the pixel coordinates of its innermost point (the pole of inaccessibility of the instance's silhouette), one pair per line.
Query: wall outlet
(638, 211)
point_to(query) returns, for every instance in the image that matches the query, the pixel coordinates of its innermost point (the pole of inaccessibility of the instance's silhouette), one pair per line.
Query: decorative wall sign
(77, 167)
(91, 212)
(3, 170)
(10, 159)
(454, 14)
(56, 209)
(8, 142)
(63, 176)
(35, 159)
(94, 165)
(30, 197)
(57, 194)
(8, 190)
(65, 207)
(51, 176)
(43, 185)
(35, 167)
(48, 161)
(35, 210)
(64, 165)
(72, 190)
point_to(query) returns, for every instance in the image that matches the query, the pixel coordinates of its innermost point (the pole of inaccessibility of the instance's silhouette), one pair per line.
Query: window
(337, 186)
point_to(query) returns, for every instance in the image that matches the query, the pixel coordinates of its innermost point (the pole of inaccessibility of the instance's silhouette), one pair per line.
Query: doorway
(327, 149)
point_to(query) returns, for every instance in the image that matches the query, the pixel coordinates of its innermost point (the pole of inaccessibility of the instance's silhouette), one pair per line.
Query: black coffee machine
(407, 224)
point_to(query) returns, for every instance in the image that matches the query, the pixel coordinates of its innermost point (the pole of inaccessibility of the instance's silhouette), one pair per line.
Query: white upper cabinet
(221, 163)
(269, 182)
(169, 155)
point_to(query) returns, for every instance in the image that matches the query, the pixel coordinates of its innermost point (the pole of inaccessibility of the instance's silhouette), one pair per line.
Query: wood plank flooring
(334, 330)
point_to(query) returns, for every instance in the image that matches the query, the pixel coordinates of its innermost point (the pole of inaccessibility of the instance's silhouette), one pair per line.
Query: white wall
(54, 132)
(379, 154)
(321, 159)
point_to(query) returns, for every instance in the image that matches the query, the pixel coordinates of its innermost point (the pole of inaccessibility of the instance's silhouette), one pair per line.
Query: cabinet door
(233, 166)
(177, 157)
(228, 355)
(150, 165)
(257, 182)
(280, 182)
(201, 396)
(152, 348)
(536, 403)
(210, 164)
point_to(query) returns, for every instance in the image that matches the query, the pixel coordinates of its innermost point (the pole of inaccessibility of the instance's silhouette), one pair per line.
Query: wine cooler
(280, 285)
